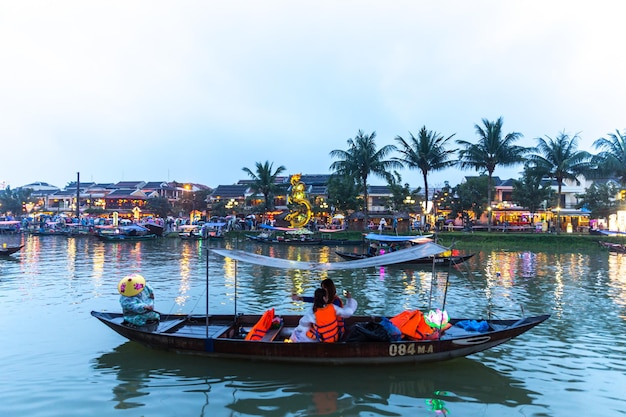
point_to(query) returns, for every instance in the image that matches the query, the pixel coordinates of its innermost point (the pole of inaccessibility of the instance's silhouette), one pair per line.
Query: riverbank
(498, 240)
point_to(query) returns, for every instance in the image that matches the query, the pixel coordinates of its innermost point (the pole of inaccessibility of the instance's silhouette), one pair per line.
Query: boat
(613, 247)
(10, 227)
(222, 335)
(127, 233)
(389, 243)
(209, 230)
(6, 250)
(439, 260)
(287, 235)
(154, 228)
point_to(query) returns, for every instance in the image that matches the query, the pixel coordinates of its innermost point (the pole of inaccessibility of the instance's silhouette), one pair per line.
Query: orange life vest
(413, 325)
(262, 326)
(326, 328)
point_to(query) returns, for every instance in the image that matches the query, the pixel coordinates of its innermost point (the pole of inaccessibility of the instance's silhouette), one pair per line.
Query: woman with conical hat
(137, 300)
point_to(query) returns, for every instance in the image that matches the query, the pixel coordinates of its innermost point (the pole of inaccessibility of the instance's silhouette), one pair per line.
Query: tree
(343, 194)
(12, 201)
(490, 151)
(160, 206)
(532, 191)
(611, 161)
(362, 159)
(427, 153)
(402, 197)
(560, 160)
(265, 182)
(599, 199)
(471, 197)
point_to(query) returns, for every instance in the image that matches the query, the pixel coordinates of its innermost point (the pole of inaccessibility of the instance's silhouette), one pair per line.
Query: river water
(57, 360)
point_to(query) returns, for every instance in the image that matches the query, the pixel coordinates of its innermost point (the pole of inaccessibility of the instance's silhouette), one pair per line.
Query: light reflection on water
(58, 360)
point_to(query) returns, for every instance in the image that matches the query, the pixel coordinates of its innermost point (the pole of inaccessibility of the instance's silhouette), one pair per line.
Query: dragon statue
(300, 208)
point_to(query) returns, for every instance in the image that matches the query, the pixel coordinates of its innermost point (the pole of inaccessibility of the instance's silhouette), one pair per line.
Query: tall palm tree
(265, 181)
(490, 151)
(426, 152)
(560, 160)
(362, 159)
(611, 161)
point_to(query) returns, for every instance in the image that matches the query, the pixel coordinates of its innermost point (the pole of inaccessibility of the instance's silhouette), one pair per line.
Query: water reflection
(278, 389)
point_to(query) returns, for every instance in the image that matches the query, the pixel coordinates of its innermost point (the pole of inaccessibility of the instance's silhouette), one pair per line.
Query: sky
(194, 91)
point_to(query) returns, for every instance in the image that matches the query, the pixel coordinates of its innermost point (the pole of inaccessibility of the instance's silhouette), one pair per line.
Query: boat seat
(270, 335)
(171, 326)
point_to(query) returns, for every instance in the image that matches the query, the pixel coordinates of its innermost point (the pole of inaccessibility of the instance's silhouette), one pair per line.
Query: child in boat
(321, 323)
(137, 300)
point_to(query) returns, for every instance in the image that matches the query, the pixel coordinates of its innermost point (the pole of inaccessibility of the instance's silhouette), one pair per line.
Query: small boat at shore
(223, 336)
(6, 250)
(613, 247)
(128, 233)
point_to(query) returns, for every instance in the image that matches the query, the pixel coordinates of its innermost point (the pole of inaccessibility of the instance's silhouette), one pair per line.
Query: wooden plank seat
(270, 335)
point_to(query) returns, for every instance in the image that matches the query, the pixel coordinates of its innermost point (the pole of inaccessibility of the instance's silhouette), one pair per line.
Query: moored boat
(128, 233)
(6, 249)
(223, 336)
(613, 247)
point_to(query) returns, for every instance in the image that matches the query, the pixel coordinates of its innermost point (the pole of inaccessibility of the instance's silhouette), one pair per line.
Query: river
(57, 360)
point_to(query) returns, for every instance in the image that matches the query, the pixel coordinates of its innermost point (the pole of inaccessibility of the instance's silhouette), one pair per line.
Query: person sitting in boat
(137, 300)
(373, 249)
(321, 324)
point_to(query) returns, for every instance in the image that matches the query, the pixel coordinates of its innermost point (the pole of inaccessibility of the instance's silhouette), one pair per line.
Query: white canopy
(415, 252)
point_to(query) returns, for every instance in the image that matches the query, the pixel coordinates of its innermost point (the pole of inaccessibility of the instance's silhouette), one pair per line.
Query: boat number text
(403, 349)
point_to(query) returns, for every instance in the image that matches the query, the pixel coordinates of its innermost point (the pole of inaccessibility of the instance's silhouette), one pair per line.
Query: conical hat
(131, 285)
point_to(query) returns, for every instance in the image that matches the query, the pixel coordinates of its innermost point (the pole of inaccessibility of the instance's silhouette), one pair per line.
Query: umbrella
(339, 216)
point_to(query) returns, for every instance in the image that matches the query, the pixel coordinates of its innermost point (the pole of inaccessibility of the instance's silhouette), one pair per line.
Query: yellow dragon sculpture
(300, 213)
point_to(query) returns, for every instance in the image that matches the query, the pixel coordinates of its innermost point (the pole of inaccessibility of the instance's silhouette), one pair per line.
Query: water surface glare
(57, 360)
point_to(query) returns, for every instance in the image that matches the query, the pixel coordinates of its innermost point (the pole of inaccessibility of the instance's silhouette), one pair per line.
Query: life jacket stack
(413, 326)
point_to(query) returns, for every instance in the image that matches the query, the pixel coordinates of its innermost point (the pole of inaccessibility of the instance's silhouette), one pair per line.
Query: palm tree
(560, 160)
(362, 159)
(265, 181)
(490, 151)
(427, 153)
(611, 161)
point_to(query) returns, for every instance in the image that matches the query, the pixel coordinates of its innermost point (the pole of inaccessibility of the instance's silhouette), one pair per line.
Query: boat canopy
(404, 255)
(396, 238)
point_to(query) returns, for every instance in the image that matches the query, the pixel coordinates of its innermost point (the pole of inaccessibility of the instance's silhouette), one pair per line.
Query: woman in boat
(331, 292)
(321, 323)
(137, 300)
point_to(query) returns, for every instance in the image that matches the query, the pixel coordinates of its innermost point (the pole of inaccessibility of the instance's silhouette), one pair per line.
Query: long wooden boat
(222, 336)
(264, 238)
(438, 260)
(130, 233)
(613, 247)
(6, 250)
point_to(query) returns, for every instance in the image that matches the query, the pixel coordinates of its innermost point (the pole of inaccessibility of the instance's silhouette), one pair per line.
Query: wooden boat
(613, 247)
(6, 250)
(267, 238)
(438, 260)
(222, 336)
(129, 233)
(388, 243)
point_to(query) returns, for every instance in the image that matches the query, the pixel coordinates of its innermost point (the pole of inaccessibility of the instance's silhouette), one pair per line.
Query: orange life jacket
(413, 325)
(326, 328)
(261, 327)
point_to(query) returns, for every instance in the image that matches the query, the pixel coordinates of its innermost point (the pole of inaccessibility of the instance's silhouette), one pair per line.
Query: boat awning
(404, 255)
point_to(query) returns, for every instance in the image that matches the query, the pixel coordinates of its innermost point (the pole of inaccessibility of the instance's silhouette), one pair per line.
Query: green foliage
(160, 206)
(426, 153)
(472, 196)
(343, 194)
(532, 192)
(264, 182)
(599, 199)
(362, 159)
(402, 198)
(611, 161)
(12, 201)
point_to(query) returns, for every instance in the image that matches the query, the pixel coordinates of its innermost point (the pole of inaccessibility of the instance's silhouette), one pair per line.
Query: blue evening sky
(194, 91)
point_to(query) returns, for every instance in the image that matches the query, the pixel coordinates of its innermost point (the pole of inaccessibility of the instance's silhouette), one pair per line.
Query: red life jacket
(326, 328)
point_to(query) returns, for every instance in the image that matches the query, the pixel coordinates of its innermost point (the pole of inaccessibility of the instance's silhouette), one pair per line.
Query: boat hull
(438, 260)
(9, 250)
(221, 339)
